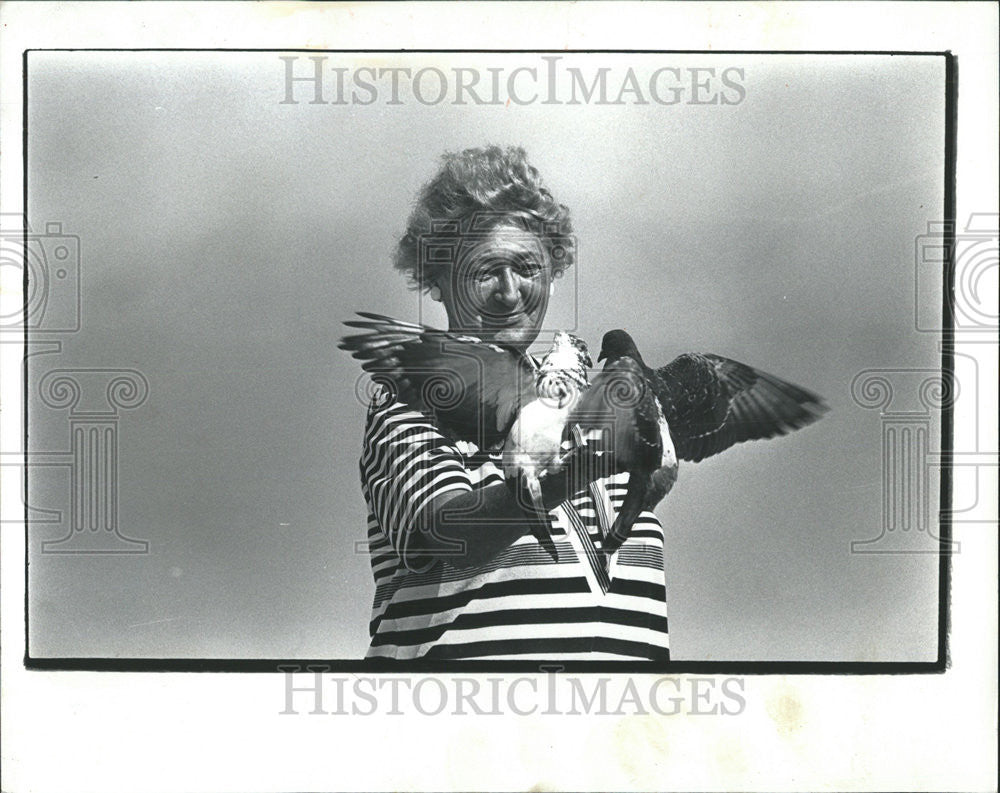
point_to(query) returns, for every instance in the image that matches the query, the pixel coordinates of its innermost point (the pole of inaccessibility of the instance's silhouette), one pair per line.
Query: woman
(502, 596)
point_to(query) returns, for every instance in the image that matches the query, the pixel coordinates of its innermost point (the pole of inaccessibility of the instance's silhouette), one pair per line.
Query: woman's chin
(513, 336)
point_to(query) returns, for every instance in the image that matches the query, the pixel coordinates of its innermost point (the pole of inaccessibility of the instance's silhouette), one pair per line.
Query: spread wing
(620, 400)
(471, 389)
(712, 403)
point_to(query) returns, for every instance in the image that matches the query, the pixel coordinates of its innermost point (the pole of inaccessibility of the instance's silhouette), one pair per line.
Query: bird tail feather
(535, 492)
(635, 498)
(539, 520)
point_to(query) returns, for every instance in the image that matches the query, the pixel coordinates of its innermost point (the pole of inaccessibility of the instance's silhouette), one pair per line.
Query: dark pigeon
(699, 404)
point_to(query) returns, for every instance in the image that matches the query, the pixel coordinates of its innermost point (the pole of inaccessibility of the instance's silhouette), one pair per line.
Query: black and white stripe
(522, 604)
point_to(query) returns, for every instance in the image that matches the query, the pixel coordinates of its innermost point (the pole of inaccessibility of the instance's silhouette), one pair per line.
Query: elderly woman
(503, 596)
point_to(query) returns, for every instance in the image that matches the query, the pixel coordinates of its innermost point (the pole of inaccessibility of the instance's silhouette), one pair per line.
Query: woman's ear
(435, 293)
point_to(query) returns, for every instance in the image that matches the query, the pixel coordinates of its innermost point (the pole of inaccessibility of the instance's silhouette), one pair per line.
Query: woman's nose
(507, 291)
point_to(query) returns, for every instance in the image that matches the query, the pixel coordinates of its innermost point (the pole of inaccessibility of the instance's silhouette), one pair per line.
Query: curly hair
(478, 189)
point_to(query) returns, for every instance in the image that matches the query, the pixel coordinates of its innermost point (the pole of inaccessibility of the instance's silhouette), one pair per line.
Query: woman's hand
(577, 468)
(472, 527)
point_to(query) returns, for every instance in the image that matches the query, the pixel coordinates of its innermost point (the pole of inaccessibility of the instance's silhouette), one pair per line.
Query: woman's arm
(469, 528)
(423, 499)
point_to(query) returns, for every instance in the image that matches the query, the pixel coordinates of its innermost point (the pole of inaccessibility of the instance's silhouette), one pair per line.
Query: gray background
(226, 236)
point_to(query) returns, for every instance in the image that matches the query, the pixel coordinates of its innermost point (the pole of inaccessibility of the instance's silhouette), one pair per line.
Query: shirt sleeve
(405, 463)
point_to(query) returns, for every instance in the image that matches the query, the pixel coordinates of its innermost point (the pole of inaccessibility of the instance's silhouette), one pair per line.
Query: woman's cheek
(536, 298)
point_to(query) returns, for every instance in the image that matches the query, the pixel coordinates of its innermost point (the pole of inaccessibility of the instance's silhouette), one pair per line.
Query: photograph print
(617, 358)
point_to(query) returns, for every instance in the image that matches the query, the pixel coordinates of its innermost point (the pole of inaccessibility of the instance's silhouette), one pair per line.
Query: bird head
(617, 344)
(563, 370)
(567, 353)
(582, 352)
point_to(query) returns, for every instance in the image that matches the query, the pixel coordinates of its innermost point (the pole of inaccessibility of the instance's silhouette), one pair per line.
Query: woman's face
(498, 287)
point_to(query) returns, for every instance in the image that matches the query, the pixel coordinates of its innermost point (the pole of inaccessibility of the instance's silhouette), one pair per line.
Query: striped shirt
(522, 603)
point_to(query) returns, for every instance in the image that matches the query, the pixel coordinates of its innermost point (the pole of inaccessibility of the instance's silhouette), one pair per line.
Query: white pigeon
(534, 445)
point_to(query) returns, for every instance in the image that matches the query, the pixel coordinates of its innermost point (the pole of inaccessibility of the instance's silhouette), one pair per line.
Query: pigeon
(535, 443)
(471, 389)
(484, 393)
(694, 407)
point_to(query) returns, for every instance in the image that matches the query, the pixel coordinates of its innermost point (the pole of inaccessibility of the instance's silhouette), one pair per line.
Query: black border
(940, 665)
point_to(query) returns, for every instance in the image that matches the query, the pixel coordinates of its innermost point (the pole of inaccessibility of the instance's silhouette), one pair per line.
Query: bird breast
(668, 458)
(534, 442)
(558, 389)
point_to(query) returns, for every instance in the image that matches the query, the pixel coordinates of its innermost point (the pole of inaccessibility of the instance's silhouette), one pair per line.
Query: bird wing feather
(472, 389)
(711, 403)
(619, 400)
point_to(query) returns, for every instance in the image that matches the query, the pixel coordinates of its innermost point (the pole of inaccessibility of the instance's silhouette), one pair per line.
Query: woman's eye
(529, 266)
(525, 268)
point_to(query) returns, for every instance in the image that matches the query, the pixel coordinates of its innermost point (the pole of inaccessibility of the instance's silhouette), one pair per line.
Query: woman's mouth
(505, 321)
